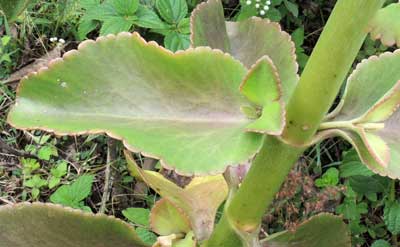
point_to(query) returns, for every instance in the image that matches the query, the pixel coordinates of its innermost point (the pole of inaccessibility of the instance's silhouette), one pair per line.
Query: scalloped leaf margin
(385, 26)
(182, 108)
(49, 225)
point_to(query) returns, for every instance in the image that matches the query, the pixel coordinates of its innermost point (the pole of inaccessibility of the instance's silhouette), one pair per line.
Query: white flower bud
(257, 5)
(262, 12)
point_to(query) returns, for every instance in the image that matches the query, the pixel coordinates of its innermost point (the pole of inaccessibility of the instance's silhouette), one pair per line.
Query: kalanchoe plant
(235, 97)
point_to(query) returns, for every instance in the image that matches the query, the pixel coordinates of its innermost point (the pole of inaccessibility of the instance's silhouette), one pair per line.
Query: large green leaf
(182, 108)
(323, 230)
(199, 200)
(386, 25)
(247, 40)
(369, 115)
(49, 225)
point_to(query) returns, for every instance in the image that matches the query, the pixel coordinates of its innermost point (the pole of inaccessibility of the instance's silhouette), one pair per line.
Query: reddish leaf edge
(278, 99)
(72, 53)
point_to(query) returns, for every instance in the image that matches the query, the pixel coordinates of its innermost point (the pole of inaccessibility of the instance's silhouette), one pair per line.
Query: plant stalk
(320, 82)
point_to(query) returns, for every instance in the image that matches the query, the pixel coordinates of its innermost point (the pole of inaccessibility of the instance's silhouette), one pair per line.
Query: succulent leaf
(182, 108)
(199, 200)
(167, 219)
(321, 230)
(369, 115)
(262, 87)
(247, 40)
(49, 225)
(372, 86)
(386, 25)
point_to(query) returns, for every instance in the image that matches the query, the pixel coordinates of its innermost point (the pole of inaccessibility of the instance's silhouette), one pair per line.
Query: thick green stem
(326, 70)
(328, 67)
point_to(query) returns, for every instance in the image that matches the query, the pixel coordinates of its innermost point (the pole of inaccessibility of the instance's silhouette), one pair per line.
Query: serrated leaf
(116, 24)
(391, 217)
(240, 38)
(126, 7)
(329, 178)
(46, 225)
(355, 168)
(173, 11)
(149, 19)
(365, 185)
(60, 170)
(352, 210)
(322, 230)
(386, 25)
(381, 243)
(85, 27)
(167, 219)
(140, 216)
(175, 41)
(46, 152)
(71, 195)
(35, 182)
(179, 117)
(203, 194)
(53, 182)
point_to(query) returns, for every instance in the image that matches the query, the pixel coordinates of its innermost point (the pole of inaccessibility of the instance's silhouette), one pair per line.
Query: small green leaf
(292, 7)
(53, 182)
(329, 178)
(392, 217)
(29, 165)
(126, 7)
(47, 151)
(184, 26)
(175, 41)
(381, 243)
(35, 182)
(115, 25)
(149, 19)
(146, 236)
(173, 11)
(85, 27)
(60, 170)
(352, 166)
(298, 36)
(352, 210)
(71, 195)
(274, 14)
(138, 216)
(262, 87)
